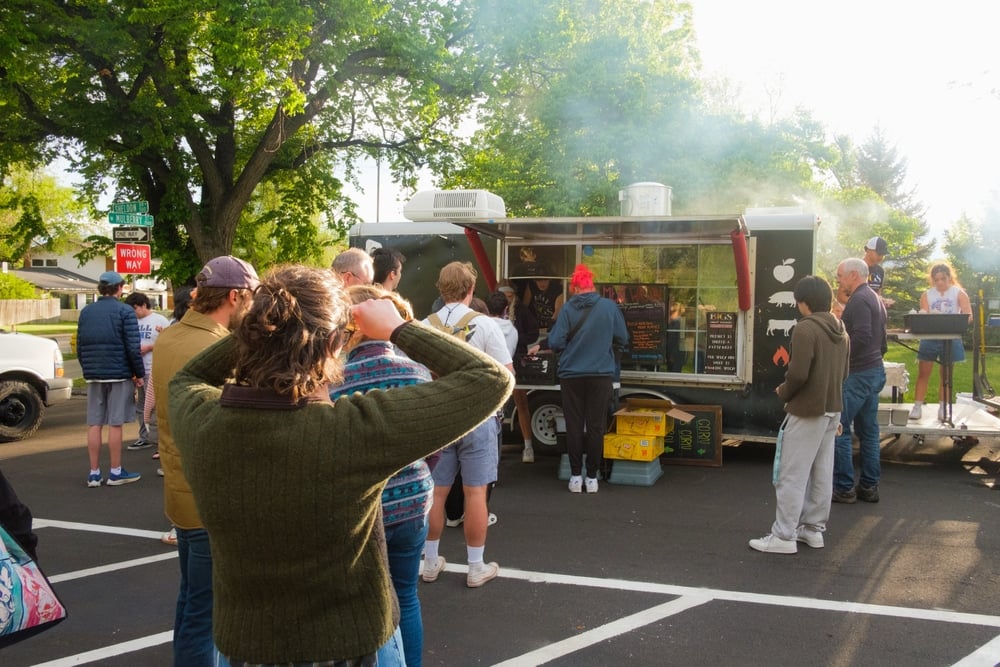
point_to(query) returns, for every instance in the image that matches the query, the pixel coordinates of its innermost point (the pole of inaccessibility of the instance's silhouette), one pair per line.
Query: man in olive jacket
(803, 468)
(223, 294)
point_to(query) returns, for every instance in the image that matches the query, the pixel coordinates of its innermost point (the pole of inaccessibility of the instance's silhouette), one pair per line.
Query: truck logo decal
(781, 356)
(782, 299)
(784, 271)
(784, 326)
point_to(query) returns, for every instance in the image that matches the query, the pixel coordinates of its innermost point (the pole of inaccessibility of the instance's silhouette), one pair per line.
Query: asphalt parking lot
(640, 575)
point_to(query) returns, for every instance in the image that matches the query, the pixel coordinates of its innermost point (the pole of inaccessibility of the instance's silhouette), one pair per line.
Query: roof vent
(438, 205)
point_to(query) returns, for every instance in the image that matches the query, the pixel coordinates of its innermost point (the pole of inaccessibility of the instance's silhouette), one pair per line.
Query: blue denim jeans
(404, 544)
(861, 389)
(391, 653)
(193, 643)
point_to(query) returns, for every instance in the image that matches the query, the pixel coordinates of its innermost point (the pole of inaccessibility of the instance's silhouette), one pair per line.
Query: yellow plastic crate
(643, 421)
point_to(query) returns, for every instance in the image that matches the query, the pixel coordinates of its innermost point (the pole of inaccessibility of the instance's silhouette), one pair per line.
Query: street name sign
(132, 234)
(134, 219)
(130, 207)
(133, 258)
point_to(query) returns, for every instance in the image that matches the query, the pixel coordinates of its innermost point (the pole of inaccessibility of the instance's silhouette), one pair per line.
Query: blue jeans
(193, 643)
(404, 544)
(861, 389)
(391, 653)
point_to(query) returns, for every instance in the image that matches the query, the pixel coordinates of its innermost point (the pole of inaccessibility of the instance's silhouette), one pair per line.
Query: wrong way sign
(133, 258)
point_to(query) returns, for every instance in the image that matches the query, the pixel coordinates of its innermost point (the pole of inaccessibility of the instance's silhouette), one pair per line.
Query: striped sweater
(375, 365)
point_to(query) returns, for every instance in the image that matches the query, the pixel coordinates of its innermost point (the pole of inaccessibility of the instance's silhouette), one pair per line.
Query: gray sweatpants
(804, 481)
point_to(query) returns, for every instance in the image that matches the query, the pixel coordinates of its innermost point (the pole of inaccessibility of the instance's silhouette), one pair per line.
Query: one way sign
(131, 234)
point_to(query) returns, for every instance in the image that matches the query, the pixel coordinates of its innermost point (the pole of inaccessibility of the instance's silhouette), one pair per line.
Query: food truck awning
(616, 229)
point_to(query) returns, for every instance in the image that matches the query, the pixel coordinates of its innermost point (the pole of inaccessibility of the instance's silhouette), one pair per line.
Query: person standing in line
(223, 294)
(406, 498)
(585, 333)
(864, 318)
(354, 266)
(527, 334)
(812, 394)
(876, 249)
(475, 453)
(945, 296)
(304, 580)
(107, 342)
(388, 266)
(151, 324)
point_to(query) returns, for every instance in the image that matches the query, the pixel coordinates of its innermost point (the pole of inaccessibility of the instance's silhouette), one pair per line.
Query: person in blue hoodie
(585, 333)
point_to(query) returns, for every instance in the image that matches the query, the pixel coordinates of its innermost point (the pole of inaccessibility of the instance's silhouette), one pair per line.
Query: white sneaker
(915, 411)
(480, 574)
(431, 572)
(528, 455)
(591, 483)
(813, 538)
(772, 544)
(575, 484)
(491, 519)
(169, 537)
(451, 523)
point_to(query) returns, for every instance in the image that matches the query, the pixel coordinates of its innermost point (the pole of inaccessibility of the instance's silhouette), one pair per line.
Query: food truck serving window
(680, 305)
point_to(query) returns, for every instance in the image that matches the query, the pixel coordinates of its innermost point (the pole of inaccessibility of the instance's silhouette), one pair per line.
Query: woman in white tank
(945, 296)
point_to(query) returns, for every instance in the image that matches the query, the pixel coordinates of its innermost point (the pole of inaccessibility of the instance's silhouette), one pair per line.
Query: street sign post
(134, 219)
(133, 258)
(130, 207)
(132, 234)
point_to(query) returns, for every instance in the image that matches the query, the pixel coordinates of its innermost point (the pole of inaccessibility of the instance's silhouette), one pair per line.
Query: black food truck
(707, 299)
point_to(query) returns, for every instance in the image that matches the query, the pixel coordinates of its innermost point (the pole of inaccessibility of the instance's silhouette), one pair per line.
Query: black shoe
(869, 495)
(847, 497)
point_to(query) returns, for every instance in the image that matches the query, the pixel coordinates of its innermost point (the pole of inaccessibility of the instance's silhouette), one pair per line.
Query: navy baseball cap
(111, 278)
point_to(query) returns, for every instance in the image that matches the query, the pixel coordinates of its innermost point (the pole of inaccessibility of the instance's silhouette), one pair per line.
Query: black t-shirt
(876, 276)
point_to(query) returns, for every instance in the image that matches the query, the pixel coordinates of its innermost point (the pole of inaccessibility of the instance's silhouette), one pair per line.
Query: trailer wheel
(20, 410)
(544, 406)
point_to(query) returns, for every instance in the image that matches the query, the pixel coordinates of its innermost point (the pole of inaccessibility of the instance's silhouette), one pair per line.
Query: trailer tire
(21, 410)
(544, 407)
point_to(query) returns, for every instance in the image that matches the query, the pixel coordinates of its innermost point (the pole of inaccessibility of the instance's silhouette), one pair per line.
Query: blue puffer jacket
(590, 350)
(107, 341)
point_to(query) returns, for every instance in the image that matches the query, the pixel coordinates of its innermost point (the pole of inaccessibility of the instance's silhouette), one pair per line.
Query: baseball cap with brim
(228, 271)
(878, 244)
(111, 278)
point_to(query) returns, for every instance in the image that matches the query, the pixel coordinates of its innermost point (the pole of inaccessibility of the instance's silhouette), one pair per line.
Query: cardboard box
(646, 416)
(632, 447)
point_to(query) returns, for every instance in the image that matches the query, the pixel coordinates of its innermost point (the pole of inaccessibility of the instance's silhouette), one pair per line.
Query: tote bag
(28, 605)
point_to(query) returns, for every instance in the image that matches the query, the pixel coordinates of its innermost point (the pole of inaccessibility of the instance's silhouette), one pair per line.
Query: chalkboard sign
(644, 308)
(699, 441)
(720, 347)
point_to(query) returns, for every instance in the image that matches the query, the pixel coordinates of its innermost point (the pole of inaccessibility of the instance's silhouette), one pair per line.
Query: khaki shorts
(110, 403)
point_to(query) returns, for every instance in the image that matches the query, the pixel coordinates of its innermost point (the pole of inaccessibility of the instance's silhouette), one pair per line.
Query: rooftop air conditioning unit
(438, 205)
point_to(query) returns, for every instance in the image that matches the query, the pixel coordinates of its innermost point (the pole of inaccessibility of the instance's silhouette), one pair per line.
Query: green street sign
(131, 219)
(130, 207)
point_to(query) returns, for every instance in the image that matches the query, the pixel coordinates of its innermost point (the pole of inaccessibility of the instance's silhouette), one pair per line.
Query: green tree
(604, 93)
(12, 287)
(37, 212)
(193, 105)
(971, 253)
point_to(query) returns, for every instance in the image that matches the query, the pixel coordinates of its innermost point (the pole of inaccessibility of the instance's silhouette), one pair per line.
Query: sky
(923, 72)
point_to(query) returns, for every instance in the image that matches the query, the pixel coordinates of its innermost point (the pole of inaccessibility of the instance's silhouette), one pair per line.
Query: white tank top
(946, 302)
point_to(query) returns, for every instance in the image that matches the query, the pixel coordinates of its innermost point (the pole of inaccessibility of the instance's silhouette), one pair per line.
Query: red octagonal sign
(133, 258)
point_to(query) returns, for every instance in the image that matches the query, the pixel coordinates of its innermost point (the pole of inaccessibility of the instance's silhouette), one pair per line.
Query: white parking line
(608, 631)
(988, 655)
(111, 567)
(111, 651)
(96, 528)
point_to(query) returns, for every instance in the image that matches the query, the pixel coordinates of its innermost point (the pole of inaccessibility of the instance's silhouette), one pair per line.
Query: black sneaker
(139, 444)
(847, 497)
(869, 495)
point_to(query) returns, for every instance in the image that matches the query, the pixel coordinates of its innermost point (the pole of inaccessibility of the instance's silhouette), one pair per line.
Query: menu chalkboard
(699, 441)
(720, 347)
(644, 308)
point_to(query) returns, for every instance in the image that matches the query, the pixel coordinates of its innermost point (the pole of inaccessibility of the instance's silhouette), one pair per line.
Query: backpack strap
(435, 321)
(465, 319)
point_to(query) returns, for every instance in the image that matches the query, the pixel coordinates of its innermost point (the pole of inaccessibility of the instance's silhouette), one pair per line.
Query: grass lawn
(47, 329)
(961, 378)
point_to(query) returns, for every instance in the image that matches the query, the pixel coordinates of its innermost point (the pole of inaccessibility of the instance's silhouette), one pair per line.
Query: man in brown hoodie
(803, 457)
